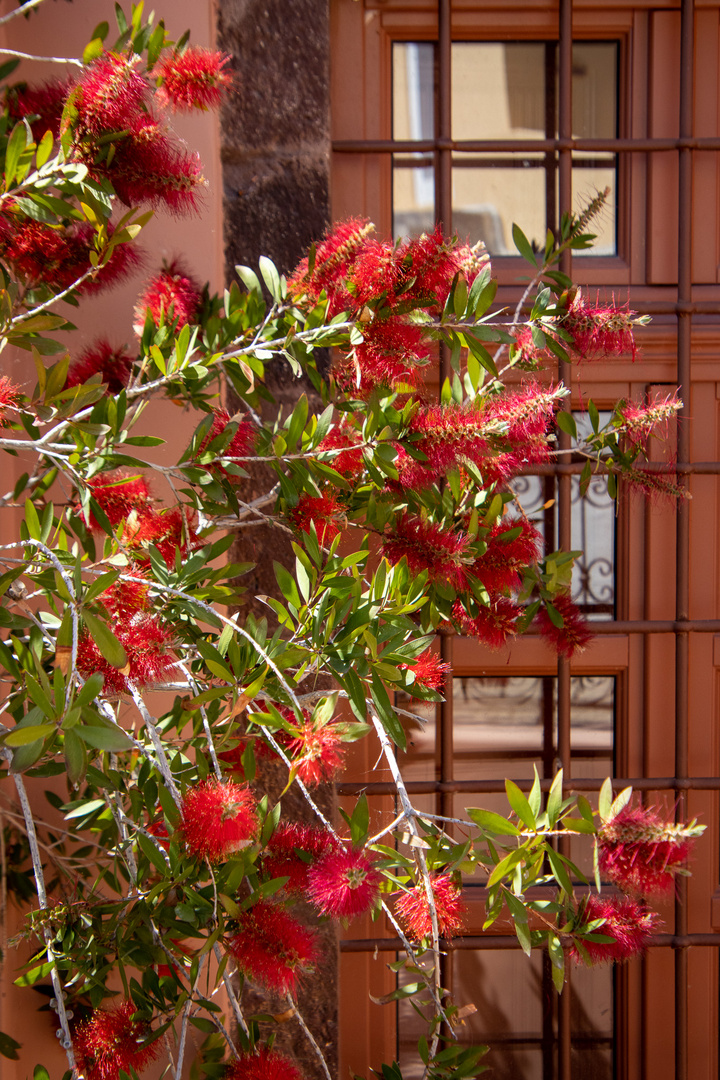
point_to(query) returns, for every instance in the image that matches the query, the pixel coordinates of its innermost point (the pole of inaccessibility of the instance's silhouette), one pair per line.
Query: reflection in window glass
(593, 531)
(504, 90)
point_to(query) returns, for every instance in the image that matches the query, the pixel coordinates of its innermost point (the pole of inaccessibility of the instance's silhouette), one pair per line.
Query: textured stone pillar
(275, 134)
(275, 128)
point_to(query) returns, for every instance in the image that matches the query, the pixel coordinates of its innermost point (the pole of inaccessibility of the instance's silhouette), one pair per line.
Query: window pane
(413, 118)
(504, 90)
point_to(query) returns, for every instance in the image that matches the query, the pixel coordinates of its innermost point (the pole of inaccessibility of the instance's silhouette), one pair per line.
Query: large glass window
(503, 91)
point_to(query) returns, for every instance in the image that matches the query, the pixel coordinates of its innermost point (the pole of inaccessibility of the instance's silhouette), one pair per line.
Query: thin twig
(310, 1037)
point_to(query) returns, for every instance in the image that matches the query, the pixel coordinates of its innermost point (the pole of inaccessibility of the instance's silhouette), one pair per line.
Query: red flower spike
(109, 95)
(502, 565)
(376, 272)
(350, 459)
(9, 396)
(493, 625)
(193, 79)
(286, 845)
(334, 257)
(150, 660)
(118, 493)
(570, 638)
(413, 909)
(264, 1064)
(433, 261)
(111, 1042)
(316, 753)
(126, 599)
(627, 922)
(171, 530)
(171, 297)
(428, 546)
(322, 511)
(240, 445)
(41, 105)
(343, 884)
(41, 254)
(114, 365)
(272, 948)
(638, 422)
(599, 331)
(392, 354)
(429, 671)
(217, 819)
(641, 853)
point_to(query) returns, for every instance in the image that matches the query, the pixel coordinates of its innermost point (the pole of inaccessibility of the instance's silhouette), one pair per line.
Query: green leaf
(113, 739)
(493, 823)
(388, 716)
(23, 736)
(520, 804)
(523, 245)
(75, 758)
(270, 276)
(566, 422)
(288, 586)
(555, 799)
(92, 50)
(535, 796)
(360, 822)
(106, 641)
(506, 865)
(605, 799)
(17, 142)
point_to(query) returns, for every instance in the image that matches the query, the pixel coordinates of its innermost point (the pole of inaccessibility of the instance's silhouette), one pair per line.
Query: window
(478, 115)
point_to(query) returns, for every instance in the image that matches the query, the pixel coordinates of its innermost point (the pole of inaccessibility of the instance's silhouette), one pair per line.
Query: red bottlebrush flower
(171, 531)
(111, 1042)
(114, 365)
(641, 853)
(272, 948)
(526, 355)
(171, 297)
(433, 261)
(217, 819)
(58, 256)
(626, 921)
(343, 884)
(109, 95)
(376, 272)
(285, 851)
(570, 638)
(9, 396)
(413, 909)
(193, 79)
(349, 460)
(322, 511)
(264, 1064)
(333, 259)
(493, 624)
(126, 599)
(149, 657)
(429, 671)
(528, 413)
(316, 752)
(241, 442)
(427, 546)
(512, 545)
(41, 105)
(118, 493)
(598, 331)
(638, 422)
(149, 167)
(392, 354)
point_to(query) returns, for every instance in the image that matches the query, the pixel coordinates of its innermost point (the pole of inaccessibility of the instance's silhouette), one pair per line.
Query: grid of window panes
(504, 91)
(503, 726)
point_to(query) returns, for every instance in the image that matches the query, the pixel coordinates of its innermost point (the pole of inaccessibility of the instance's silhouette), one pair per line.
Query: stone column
(275, 139)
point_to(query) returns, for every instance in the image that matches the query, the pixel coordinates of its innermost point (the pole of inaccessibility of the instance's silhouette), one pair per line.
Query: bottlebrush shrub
(168, 868)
